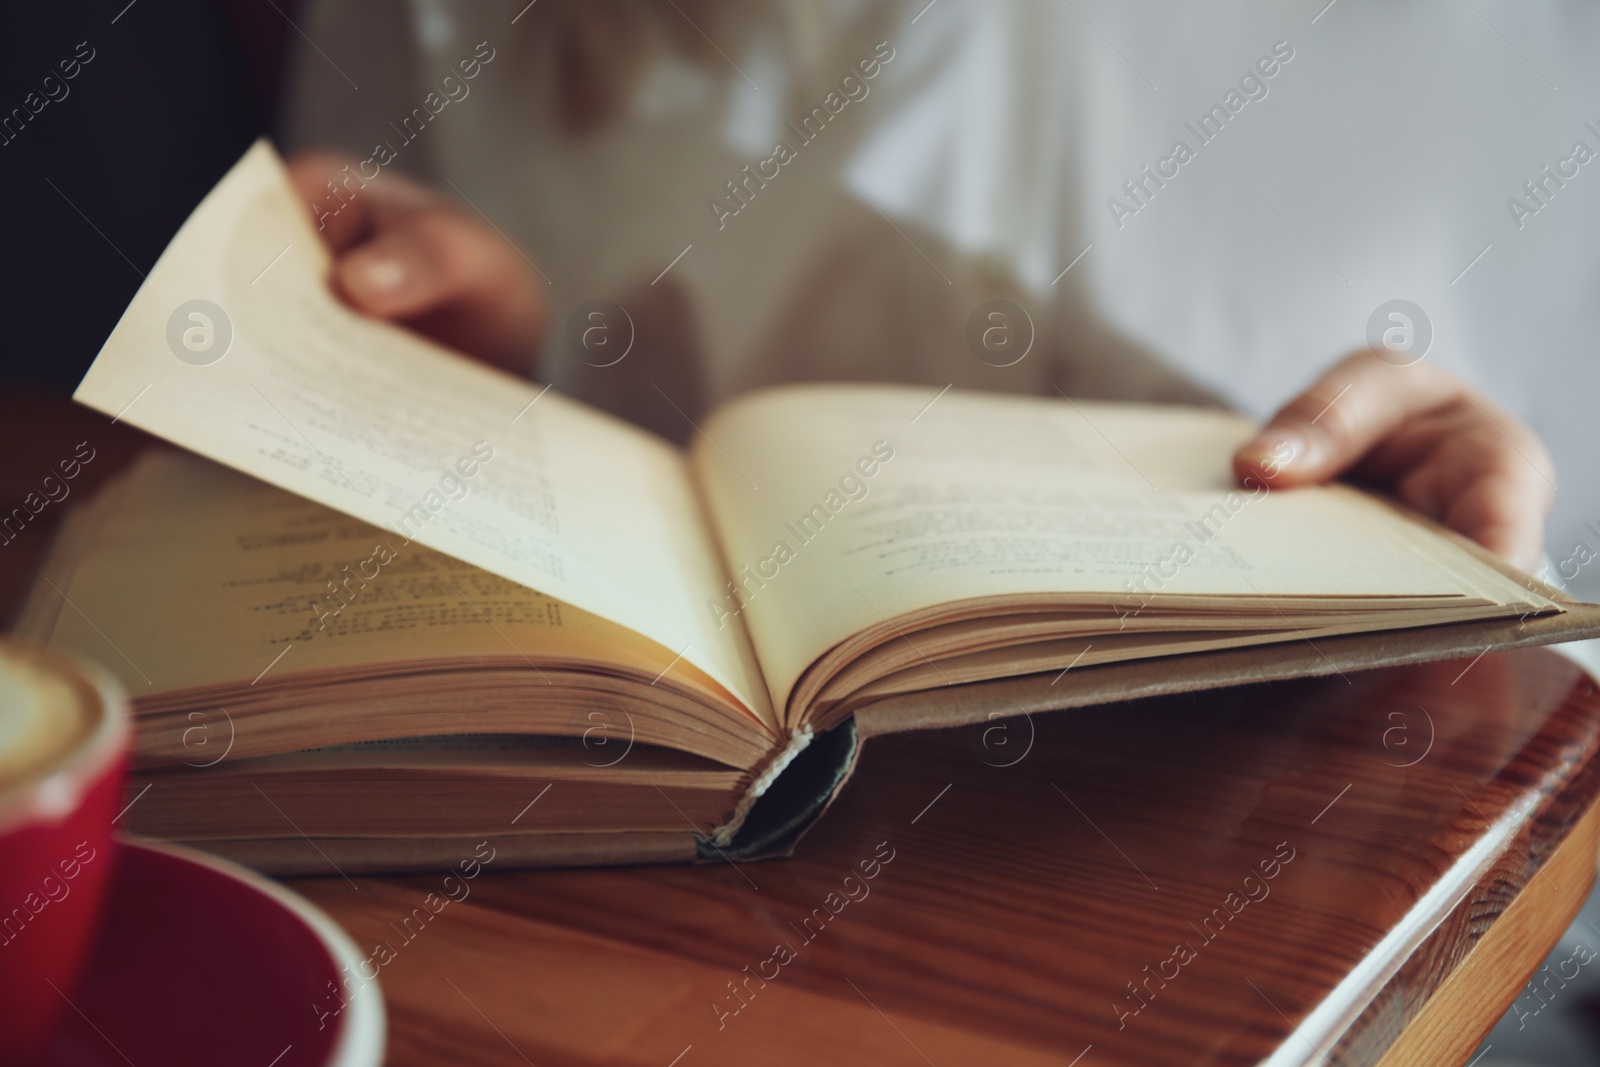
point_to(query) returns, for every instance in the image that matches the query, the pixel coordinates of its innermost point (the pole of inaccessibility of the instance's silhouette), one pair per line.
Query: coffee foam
(45, 715)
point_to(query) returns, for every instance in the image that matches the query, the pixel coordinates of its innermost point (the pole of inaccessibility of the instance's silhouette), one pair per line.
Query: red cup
(64, 737)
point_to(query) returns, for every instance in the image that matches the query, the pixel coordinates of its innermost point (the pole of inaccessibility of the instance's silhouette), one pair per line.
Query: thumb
(393, 276)
(450, 278)
(1328, 428)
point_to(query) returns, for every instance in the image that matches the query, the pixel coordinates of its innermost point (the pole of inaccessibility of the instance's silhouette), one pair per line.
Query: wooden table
(1342, 871)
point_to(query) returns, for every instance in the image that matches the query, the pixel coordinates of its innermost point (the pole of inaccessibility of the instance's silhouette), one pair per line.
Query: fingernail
(1276, 451)
(381, 274)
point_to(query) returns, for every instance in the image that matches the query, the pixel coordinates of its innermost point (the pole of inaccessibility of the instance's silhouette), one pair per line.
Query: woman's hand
(404, 253)
(1437, 445)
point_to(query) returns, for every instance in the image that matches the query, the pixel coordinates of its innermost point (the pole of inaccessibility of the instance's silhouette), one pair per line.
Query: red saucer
(199, 961)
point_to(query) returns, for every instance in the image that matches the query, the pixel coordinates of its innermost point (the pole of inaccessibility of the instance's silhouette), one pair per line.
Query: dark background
(97, 183)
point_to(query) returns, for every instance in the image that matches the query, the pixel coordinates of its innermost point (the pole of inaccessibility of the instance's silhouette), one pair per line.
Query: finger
(1504, 511)
(422, 262)
(341, 220)
(1430, 487)
(1460, 456)
(1486, 483)
(347, 206)
(1331, 426)
(449, 277)
(1414, 444)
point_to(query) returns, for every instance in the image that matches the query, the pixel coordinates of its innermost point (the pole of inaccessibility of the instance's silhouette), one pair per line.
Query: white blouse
(1167, 198)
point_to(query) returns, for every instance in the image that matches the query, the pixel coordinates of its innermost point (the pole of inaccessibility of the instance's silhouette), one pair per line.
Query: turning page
(236, 348)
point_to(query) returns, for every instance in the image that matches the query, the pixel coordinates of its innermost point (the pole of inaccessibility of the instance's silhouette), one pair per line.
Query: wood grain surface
(1030, 913)
(1348, 870)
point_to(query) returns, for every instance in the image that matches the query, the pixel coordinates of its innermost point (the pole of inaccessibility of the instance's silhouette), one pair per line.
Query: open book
(432, 603)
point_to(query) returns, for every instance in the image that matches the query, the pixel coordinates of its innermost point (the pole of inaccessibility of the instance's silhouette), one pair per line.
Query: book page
(843, 506)
(183, 555)
(235, 348)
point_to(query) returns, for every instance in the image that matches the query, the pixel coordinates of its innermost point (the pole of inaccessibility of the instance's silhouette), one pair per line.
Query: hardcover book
(389, 602)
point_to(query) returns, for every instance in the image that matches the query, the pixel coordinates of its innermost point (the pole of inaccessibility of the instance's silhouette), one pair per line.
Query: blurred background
(1416, 151)
(1379, 163)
